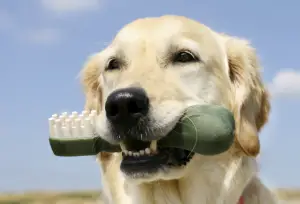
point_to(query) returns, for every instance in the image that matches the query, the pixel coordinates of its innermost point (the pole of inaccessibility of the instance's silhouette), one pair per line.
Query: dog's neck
(183, 191)
(209, 181)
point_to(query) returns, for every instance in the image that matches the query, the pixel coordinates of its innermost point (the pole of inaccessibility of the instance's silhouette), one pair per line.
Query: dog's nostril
(135, 107)
(113, 110)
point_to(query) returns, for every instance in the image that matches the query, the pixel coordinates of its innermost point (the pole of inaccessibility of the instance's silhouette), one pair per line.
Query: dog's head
(152, 71)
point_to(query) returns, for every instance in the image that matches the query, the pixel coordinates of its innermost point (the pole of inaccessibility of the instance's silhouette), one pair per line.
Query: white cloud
(286, 83)
(43, 36)
(69, 6)
(10, 25)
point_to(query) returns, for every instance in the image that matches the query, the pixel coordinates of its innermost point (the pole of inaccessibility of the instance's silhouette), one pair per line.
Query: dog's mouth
(147, 157)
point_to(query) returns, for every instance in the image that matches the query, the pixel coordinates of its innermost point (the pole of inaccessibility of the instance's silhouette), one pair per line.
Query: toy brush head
(203, 129)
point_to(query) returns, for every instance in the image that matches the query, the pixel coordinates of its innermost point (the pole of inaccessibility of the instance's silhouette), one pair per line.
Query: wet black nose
(124, 107)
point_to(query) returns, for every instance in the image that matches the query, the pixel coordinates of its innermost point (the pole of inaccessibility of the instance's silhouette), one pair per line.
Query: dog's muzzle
(126, 110)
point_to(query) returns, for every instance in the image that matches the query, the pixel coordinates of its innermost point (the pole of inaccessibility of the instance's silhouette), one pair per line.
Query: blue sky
(43, 44)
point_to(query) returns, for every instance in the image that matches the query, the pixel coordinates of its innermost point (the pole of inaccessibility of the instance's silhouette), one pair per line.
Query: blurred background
(44, 43)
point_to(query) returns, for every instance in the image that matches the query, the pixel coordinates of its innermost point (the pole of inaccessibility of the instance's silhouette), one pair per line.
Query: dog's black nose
(124, 107)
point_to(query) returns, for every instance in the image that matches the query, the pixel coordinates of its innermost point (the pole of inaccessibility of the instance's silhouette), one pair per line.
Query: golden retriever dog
(141, 84)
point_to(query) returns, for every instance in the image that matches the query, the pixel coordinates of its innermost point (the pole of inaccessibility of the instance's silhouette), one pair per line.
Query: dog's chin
(145, 161)
(163, 173)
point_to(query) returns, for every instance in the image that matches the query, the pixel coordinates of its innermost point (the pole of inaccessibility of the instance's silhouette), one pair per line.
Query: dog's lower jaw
(200, 185)
(161, 175)
(203, 183)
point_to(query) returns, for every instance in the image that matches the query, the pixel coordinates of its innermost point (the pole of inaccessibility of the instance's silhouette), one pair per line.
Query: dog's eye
(113, 64)
(184, 57)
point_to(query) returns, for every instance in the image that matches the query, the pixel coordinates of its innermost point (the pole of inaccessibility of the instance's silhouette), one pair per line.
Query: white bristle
(65, 132)
(58, 128)
(73, 125)
(74, 113)
(51, 126)
(72, 118)
(85, 113)
(81, 118)
(68, 123)
(78, 127)
(68, 126)
(74, 132)
(62, 119)
(92, 117)
(88, 127)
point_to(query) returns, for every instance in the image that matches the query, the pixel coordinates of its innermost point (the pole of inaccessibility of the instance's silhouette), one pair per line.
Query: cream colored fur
(229, 75)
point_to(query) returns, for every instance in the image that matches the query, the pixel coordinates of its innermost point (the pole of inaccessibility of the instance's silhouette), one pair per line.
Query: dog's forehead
(158, 29)
(150, 37)
(147, 29)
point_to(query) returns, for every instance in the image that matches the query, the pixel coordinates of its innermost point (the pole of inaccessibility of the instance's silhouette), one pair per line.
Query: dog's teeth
(136, 154)
(153, 145)
(123, 147)
(147, 151)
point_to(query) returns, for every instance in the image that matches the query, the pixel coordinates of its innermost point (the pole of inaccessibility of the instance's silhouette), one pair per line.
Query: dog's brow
(113, 52)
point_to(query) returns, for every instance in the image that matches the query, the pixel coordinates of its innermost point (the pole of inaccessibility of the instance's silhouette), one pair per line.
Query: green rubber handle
(203, 129)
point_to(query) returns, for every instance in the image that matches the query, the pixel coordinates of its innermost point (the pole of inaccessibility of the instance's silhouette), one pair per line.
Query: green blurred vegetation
(83, 197)
(93, 197)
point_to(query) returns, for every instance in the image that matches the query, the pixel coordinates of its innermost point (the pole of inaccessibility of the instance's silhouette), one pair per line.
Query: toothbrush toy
(203, 129)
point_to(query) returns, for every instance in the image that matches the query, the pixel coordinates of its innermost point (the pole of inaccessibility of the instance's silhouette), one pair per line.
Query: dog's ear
(250, 98)
(93, 94)
(90, 81)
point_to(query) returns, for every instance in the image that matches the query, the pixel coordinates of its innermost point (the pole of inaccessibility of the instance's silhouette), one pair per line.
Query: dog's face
(152, 71)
